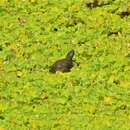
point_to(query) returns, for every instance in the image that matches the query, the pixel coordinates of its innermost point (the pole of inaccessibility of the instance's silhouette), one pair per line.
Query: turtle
(64, 65)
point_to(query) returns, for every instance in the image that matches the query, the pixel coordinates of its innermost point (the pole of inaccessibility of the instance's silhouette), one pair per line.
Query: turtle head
(52, 69)
(70, 55)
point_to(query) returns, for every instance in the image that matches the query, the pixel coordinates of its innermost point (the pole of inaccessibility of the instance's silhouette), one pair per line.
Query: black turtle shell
(63, 65)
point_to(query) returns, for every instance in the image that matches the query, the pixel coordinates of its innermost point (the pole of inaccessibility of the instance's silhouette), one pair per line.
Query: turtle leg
(75, 63)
